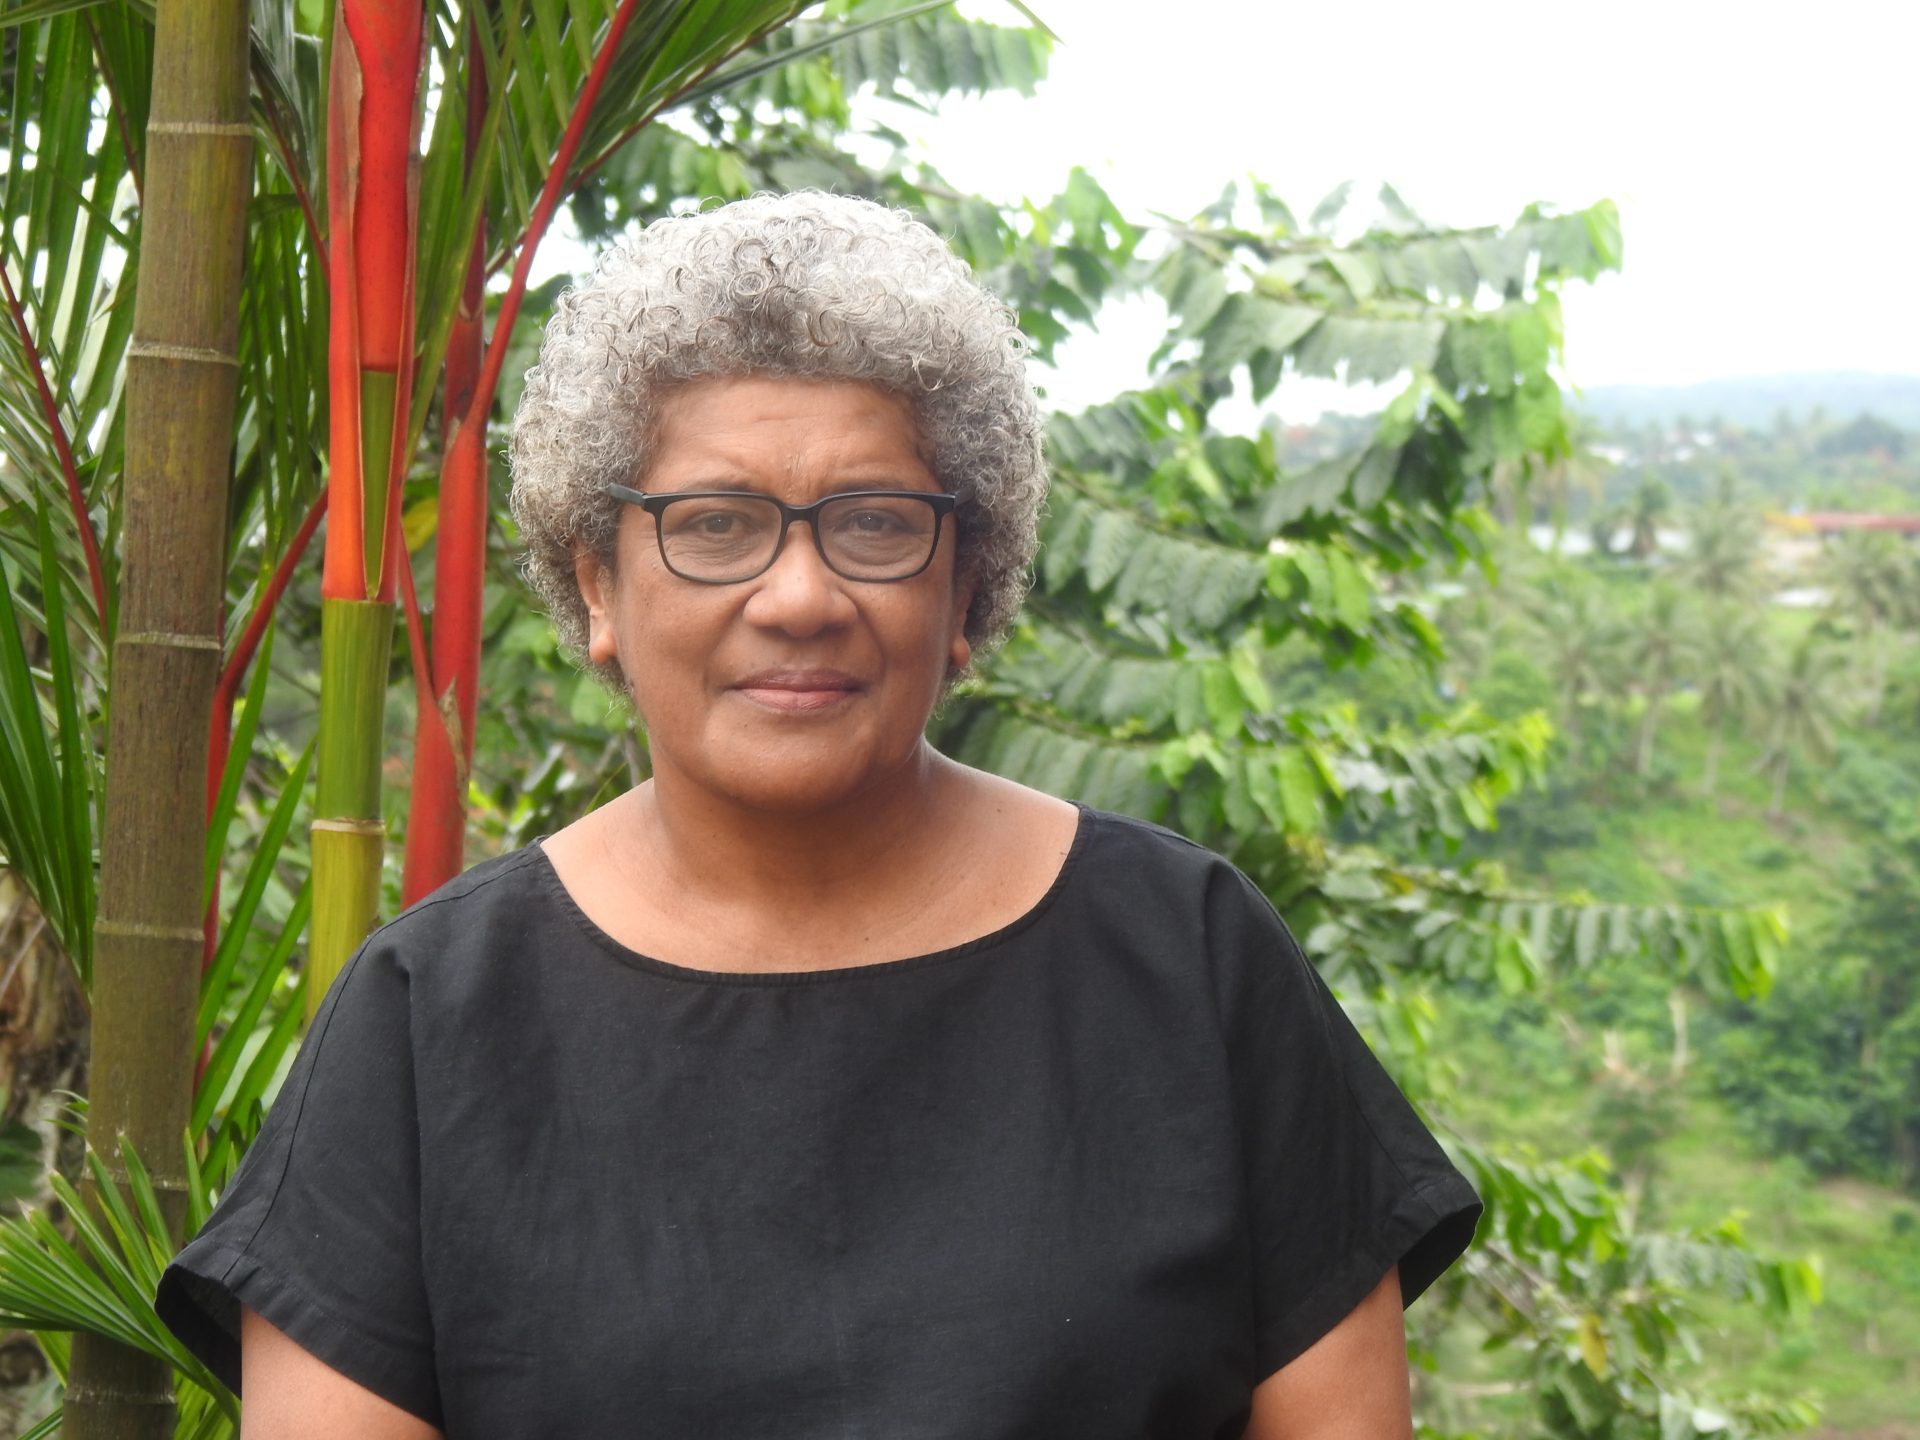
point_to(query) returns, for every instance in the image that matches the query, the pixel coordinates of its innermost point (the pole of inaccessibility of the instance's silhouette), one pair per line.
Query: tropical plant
(1603, 530)
(378, 58)
(1731, 668)
(1191, 595)
(1722, 559)
(1649, 506)
(1657, 646)
(163, 622)
(1833, 1075)
(1874, 579)
(1805, 704)
(1578, 639)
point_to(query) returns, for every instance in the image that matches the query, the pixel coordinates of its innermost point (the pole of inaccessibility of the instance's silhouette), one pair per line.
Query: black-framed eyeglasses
(722, 537)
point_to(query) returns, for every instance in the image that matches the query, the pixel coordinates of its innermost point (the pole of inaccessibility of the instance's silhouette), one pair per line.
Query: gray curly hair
(807, 284)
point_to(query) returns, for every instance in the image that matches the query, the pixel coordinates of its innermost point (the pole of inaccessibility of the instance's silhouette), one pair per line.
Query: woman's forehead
(758, 432)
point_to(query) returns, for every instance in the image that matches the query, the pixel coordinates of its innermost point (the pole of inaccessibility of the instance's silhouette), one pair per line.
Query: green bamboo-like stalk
(180, 394)
(356, 639)
(376, 445)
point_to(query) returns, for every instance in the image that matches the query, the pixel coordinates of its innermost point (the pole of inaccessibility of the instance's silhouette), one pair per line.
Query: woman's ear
(596, 589)
(960, 650)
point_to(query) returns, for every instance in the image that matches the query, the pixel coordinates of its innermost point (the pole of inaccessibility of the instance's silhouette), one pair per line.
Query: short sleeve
(1344, 1180)
(319, 1231)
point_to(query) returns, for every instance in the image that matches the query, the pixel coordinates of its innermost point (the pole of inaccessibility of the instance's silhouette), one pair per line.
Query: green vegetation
(1787, 769)
(1856, 1351)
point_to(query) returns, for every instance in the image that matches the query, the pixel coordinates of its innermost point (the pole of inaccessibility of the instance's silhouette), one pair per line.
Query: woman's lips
(798, 689)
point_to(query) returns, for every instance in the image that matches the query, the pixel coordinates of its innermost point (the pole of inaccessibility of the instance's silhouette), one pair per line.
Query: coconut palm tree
(1578, 642)
(1873, 577)
(1650, 505)
(1657, 645)
(1723, 550)
(1731, 666)
(1804, 697)
(1603, 525)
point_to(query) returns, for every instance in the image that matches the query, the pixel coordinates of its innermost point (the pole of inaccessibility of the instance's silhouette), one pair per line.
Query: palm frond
(48, 782)
(103, 1281)
(66, 193)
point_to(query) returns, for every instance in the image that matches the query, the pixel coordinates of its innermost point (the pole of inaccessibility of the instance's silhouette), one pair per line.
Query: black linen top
(1094, 1175)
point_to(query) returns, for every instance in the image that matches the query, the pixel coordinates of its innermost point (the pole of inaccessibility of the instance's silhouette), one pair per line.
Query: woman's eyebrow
(888, 481)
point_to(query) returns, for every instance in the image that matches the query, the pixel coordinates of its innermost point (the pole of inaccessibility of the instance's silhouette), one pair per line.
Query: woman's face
(798, 689)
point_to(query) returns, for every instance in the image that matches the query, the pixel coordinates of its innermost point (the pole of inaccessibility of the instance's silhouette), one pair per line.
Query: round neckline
(627, 955)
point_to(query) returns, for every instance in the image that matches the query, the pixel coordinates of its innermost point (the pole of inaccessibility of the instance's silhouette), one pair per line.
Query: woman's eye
(716, 521)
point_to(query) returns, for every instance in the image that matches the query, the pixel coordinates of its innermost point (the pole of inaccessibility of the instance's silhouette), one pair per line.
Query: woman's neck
(941, 855)
(716, 850)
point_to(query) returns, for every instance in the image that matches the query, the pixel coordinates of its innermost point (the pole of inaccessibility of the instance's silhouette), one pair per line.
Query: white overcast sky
(1765, 157)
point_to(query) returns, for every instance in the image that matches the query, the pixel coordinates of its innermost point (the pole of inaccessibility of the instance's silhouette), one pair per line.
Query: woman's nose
(798, 593)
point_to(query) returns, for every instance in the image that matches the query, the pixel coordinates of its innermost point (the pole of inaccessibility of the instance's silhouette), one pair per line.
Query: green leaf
(1330, 206)
(1244, 662)
(1222, 697)
(47, 755)
(260, 871)
(239, 752)
(1299, 790)
(1586, 936)
(1244, 324)
(1352, 596)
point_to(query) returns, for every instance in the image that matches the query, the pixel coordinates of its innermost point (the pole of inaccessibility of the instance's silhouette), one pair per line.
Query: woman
(820, 1085)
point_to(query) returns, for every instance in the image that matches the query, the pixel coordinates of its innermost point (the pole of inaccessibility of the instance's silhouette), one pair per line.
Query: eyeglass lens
(864, 537)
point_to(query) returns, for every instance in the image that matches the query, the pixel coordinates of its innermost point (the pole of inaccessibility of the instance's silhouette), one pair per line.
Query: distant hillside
(1753, 400)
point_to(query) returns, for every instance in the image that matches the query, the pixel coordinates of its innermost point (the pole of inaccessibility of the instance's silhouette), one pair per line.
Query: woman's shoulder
(506, 881)
(500, 910)
(1126, 849)
(1138, 888)
(1148, 842)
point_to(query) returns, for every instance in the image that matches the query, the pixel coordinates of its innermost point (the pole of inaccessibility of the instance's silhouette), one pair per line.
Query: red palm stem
(437, 825)
(442, 742)
(51, 409)
(437, 822)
